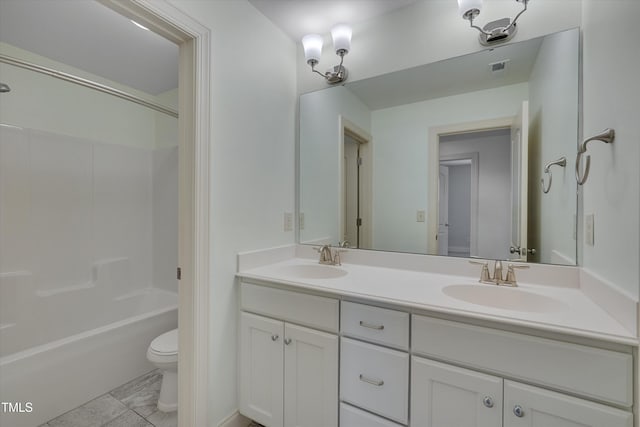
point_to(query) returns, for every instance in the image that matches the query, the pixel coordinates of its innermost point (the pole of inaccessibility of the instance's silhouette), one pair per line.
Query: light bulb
(341, 35)
(312, 44)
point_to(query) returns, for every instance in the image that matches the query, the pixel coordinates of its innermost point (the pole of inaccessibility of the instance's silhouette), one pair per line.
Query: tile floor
(130, 405)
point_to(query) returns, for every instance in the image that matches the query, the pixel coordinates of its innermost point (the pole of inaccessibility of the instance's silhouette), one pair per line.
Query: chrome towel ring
(562, 161)
(607, 136)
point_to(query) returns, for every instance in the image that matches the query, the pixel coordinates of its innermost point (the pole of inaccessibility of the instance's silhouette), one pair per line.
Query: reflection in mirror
(447, 158)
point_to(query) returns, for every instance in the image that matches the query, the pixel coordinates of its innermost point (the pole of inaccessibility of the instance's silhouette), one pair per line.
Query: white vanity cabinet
(528, 406)
(373, 376)
(288, 372)
(395, 368)
(443, 395)
(447, 395)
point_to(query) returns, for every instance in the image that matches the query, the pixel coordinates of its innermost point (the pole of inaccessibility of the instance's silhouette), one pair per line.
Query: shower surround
(88, 249)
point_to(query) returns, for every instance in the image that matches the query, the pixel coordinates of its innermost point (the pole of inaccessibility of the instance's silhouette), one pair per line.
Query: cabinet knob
(487, 401)
(287, 341)
(518, 411)
(274, 338)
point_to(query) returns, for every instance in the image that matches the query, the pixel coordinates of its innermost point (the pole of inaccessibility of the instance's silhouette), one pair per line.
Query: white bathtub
(60, 375)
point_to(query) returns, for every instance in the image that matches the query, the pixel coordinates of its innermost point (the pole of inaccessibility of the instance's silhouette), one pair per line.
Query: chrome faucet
(497, 278)
(327, 257)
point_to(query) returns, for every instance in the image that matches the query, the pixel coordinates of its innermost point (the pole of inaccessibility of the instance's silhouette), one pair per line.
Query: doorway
(356, 188)
(458, 204)
(194, 127)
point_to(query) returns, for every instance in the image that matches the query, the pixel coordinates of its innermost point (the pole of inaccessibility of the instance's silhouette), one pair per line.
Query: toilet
(163, 353)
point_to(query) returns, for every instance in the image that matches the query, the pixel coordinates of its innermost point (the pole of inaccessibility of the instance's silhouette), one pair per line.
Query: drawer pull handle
(488, 401)
(518, 411)
(378, 383)
(274, 338)
(287, 341)
(371, 325)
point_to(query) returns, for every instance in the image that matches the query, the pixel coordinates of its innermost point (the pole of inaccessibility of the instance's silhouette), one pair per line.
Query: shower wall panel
(77, 225)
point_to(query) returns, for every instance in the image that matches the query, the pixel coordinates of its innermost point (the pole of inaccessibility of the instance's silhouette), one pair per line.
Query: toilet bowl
(163, 353)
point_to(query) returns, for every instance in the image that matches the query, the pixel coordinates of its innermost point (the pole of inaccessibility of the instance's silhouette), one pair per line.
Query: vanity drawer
(600, 374)
(375, 324)
(375, 378)
(303, 309)
(351, 416)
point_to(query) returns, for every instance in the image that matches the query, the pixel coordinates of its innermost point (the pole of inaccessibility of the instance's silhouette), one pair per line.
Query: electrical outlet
(288, 221)
(301, 220)
(589, 229)
(420, 216)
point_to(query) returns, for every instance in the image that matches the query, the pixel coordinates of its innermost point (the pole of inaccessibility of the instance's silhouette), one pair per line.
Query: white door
(443, 211)
(527, 406)
(447, 396)
(261, 369)
(519, 181)
(310, 378)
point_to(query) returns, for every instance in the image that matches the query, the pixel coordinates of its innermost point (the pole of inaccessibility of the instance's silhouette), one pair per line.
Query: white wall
(400, 146)
(494, 187)
(429, 31)
(611, 93)
(253, 95)
(553, 111)
(320, 161)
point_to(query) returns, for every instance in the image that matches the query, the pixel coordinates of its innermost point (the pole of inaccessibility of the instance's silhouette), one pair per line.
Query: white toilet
(163, 352)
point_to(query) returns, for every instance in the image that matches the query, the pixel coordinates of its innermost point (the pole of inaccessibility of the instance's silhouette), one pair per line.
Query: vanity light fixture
(312, 44)
(498, 31)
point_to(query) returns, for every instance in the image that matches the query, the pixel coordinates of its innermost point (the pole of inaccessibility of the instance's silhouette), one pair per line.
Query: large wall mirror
(449, 158)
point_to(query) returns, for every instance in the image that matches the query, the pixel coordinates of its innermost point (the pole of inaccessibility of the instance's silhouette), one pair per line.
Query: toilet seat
(165, 345)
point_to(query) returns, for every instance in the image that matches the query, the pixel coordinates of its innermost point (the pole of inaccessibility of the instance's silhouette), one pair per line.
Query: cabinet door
(447, 396)
(261, 369)
(527, 406)
(310, 378)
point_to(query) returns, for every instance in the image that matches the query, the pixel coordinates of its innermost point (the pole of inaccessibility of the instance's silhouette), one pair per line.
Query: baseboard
(235, 420)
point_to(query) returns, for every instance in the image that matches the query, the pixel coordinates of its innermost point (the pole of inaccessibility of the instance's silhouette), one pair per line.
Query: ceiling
(302, 17)
(467, 73)
(91, 37)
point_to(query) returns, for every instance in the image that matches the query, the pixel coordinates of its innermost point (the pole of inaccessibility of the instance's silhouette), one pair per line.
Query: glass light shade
(312, 44)
(341, 35)
(466, 5)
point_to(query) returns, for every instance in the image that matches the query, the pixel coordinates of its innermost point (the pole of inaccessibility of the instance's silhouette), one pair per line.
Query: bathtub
(62, 374)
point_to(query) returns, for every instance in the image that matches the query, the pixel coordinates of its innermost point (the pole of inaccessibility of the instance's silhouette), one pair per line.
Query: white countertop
(574, 313)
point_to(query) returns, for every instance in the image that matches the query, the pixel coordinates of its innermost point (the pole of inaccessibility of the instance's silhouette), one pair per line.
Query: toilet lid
(166, 343)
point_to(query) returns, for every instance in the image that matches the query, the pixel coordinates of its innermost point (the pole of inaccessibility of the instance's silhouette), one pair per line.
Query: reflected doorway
(356, 186)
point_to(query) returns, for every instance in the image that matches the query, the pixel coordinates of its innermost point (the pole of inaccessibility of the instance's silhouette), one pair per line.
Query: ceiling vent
(499, 67)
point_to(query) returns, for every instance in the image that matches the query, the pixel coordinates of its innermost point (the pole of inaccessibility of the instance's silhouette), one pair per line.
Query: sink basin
(313, 271)
(503, 297)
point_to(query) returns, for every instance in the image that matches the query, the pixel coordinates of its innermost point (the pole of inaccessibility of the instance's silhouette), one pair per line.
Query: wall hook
(607, 136)
(562, 161)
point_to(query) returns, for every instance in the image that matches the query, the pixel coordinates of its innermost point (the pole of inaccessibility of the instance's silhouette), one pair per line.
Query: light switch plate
(589, 229)
(288, 221)
(420, 216)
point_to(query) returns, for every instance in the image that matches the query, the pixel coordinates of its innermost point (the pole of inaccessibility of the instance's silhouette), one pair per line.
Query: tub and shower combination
(88, 243)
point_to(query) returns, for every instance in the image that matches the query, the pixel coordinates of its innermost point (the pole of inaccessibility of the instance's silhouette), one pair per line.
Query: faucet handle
(485, 276)
(511, 274)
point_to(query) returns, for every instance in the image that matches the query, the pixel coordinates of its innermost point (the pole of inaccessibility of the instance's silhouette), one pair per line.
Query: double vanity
(398, 340)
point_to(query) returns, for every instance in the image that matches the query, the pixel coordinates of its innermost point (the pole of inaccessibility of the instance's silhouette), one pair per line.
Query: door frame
(366, 178)
(433, 162)
(194, 126)
(475, 179)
